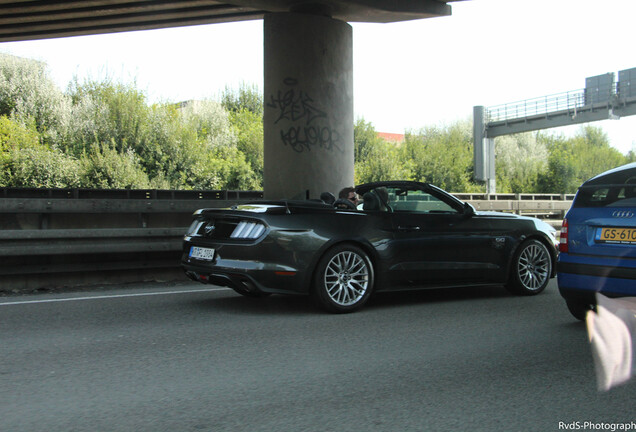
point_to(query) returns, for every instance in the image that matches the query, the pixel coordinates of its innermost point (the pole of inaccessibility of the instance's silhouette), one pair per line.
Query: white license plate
(206, 254)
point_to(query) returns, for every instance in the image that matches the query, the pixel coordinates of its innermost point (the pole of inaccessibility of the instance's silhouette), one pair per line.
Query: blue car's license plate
(616, 235)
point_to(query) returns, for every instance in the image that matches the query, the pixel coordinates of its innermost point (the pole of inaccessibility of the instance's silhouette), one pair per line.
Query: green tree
(29, 96)
(223, 168)
(107, 112)
(248, 128)
(520, 160)
(441, 156)
(572, 161)
(365, 138)
(14, 135)
(103, 167)
(39, 167)
(247, 97)
(382, 162)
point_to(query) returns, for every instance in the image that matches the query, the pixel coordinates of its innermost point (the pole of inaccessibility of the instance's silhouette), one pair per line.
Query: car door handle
(408, 228)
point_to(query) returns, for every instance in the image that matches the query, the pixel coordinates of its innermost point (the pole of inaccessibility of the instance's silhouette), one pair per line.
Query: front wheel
(344, 279)
(531, 268)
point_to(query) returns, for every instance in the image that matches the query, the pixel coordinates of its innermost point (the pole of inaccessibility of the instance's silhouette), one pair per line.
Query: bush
(520, 160)
(107, 112)
(14, 135)
(442, 156)
(39, 167)
(103, 167)
(29, 96)
(248, 128)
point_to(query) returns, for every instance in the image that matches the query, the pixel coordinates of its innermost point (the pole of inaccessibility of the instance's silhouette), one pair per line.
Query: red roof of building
(392, 137)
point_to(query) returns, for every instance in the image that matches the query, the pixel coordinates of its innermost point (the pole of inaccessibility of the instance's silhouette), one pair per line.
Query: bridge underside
(36, 19)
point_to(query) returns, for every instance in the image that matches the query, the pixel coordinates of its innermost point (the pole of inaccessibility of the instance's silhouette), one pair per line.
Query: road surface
(188, 357)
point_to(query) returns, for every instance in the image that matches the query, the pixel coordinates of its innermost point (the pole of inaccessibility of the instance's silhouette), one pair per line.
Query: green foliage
(14, 135)
(103, 167)
(106, 135)
(29, 96)
(248, 128)
(520, 160)
(39, 167)
(211, 123)
(247, 97)
(574, 160)
(365, 138)
(225, 168)
(382, 162)
(442, 156)
(375, 159)
(107, 112)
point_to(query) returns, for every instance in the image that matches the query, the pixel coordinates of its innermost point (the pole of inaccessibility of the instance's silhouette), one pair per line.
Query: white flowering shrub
(27, 94)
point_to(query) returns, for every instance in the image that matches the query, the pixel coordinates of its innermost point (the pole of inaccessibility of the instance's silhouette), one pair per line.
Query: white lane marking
(110, 296)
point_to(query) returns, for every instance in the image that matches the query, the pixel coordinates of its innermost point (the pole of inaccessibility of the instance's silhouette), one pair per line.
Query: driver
(350, 194)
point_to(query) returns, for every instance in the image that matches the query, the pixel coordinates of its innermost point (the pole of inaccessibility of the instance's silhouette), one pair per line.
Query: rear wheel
(531, 268)
(344, 279)
(578, 309)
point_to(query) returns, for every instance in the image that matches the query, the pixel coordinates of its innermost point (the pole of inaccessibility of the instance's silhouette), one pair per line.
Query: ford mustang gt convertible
(403, 235)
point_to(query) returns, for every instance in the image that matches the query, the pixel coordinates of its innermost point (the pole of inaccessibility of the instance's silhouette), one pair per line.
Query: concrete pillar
(308, 118)
(484, 151)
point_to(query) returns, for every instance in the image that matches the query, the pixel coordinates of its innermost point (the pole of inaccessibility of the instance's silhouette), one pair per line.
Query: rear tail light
(248, 230)
(563, 242)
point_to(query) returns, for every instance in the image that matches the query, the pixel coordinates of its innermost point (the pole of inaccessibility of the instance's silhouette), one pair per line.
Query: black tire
(344, 279)
(578, 309)
(531, 268)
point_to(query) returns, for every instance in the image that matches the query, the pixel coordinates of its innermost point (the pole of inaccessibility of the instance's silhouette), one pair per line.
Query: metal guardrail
(49, 234)
(514, 197)
(147, 194)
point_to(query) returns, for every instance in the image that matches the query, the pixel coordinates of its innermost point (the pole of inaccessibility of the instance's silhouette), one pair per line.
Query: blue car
(598, 241)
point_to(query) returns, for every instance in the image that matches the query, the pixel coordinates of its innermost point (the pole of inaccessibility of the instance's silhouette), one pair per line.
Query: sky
(407, 76)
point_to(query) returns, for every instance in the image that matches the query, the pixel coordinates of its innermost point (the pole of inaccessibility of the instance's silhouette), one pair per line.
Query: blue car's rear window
(606, 196)
(617, 189)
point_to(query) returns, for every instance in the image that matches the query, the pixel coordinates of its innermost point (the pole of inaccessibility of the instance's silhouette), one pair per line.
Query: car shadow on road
(233, 303)
(273, 305)
(438, 295)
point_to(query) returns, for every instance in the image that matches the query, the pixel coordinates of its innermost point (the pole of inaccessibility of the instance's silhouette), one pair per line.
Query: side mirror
(469, 210)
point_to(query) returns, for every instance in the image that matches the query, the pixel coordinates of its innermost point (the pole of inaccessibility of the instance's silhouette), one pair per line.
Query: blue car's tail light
(563, 242)
(248, 230)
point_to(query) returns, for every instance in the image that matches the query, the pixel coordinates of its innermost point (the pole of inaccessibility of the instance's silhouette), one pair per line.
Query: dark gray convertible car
(403, 235)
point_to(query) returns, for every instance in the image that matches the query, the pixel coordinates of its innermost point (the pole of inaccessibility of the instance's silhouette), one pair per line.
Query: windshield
(404, 199)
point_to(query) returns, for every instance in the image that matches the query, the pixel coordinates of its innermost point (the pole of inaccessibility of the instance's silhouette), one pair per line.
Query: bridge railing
(570, 101)
(51, 237)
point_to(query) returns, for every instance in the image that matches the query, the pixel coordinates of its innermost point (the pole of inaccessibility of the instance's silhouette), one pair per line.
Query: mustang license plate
(206, 254)
(616, 235)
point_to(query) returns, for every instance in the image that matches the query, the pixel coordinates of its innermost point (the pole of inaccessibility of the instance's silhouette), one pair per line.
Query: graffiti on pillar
(308, 129)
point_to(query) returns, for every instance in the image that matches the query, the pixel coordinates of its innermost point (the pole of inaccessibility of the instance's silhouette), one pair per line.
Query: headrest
(327, 198)
(370, 201)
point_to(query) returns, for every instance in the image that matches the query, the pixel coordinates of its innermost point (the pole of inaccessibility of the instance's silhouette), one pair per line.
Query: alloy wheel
(533, 266)
(346, 278)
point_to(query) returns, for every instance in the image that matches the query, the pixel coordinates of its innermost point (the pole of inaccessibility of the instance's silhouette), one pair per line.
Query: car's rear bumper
(245, 276)
(582, 280)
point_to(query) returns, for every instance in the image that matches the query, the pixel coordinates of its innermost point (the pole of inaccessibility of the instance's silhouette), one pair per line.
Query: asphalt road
(160, 357)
